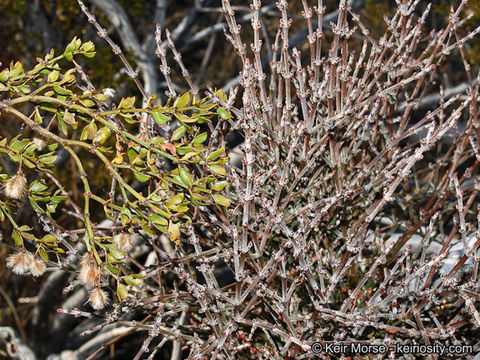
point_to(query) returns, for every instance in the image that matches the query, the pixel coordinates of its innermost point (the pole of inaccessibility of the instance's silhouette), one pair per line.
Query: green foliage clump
(65, 112)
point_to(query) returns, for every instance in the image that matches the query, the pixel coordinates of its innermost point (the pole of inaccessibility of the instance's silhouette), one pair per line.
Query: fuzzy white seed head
(89, 271)
(20, 262)
(39, 143)
(109, 92)
(38, 267)
(16, 186)
(98, 299)
(123, 242)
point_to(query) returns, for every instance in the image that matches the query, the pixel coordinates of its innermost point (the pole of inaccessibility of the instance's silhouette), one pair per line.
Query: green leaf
(68, 55)
(185, 118)
(160, 118)
(182, 150)
(28, 163)
(224, 114)
(14, 158)
(53, 76)
(43, 254)
(200, 138)
(17, 238)
(18, 146)
(16, 70)
(156, 140)
(220, 185)
(38, 119)
(57, 199)
(128, 118)
(112, 269)
(69, 118)
(30, 149)
(73, 45)
(122, 291)
(157, 219)
(126, 211)
(199, 197)
(141, 177)
(62, 124)
(217, 169)
(40, 66)
(24, 89)
(162, 228)
(214, 155)
(100, 97)
(182, 101)
(176, 179)
(202, 120)
(185, 176)
(89, 54)
(147, 229)
(189, 155)
(175, 200)
(87, 102)
(47, 159)
(221, 95)
(61, 91)
(102, 135)
(130, 280)
(178, 133)
(25, 228)
(59, 250)
(28, 236)
(51, 208)
(36, 207)
(50, 55)
(89, 131)
(117, 254)
(126, 103)
(221, 200)
(88, 46)
(4, 75)
(38, 186)
(49, 238)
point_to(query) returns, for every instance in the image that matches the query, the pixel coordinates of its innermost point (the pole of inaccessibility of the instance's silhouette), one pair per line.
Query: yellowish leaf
(174, 232)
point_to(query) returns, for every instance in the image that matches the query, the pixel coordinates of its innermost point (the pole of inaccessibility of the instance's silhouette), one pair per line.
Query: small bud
(123, 242)
(39, 143)
(38, 267)
(16, 186)
(89, 271)
(98, 299)
(20, 262)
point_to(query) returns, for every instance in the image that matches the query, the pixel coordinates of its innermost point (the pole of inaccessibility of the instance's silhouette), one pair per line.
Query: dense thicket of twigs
(348, 211)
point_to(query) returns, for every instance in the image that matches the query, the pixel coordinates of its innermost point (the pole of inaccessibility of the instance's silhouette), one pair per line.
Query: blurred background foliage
(29, 28)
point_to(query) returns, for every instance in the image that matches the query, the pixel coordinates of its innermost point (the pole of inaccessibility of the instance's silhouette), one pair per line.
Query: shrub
(351, 217)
